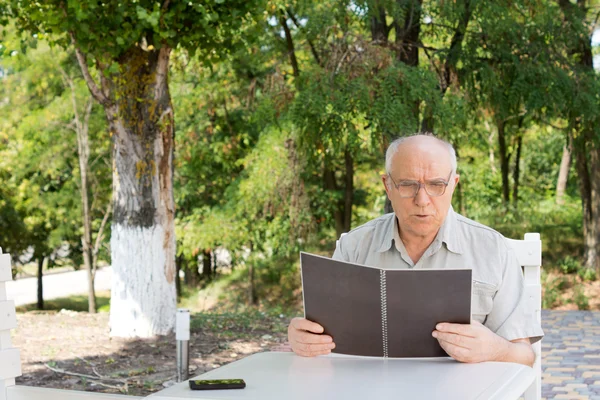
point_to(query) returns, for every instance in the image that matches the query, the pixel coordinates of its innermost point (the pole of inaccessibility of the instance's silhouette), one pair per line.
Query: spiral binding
(384, 328)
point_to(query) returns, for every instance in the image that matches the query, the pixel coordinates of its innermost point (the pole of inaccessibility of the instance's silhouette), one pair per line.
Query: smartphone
(213, 384)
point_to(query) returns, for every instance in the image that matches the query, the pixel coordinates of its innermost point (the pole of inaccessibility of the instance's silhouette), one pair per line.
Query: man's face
(424, 161)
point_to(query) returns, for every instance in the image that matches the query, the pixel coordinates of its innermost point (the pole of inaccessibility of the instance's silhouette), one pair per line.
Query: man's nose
(422, 198)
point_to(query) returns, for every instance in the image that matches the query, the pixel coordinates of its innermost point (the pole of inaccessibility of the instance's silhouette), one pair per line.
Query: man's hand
(471, 343)
(306, 339)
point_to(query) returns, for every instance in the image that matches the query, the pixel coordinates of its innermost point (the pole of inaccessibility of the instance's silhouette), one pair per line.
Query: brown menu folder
(380, 312)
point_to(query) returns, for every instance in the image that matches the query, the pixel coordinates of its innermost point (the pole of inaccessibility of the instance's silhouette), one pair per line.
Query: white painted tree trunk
(143, 298)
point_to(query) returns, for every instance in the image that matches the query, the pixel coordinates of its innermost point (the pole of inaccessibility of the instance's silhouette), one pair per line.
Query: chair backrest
(10, 365)
(529, 254)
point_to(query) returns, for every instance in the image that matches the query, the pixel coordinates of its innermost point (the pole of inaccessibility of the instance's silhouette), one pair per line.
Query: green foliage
(78, 303)
(580, 298)
(569, 265)
(551, 290)
(265, 151)
(108, 29)
(587, 274)
(39, 169)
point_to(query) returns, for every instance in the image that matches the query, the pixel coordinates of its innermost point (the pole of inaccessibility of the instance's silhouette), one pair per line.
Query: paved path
(63, 284)
(571, 355)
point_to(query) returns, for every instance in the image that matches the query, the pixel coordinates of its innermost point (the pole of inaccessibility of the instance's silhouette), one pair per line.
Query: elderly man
(425, 232)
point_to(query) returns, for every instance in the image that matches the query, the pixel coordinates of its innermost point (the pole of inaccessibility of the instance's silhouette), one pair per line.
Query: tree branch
(98, 94)
(310, 43)
(99, 236)
(290, 45)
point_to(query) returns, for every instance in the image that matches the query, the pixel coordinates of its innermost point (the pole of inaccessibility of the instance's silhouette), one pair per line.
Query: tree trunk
(448, 73)
(595, 207)
(504, 160)
(589, 234)
(178, 262)
(408, 31)
(589, 179)
(517, 171)
(40, 283)
(379, 28)
(290, 45)
(330, 184)
(252, 297)
(143, 295)
(83, 150)
(83, 153)
(207, 264)
(348, 191)
(192, 275)
(563, 174)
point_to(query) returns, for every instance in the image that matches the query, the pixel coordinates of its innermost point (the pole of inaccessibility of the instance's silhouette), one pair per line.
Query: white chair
(529, 254)
(10, 358)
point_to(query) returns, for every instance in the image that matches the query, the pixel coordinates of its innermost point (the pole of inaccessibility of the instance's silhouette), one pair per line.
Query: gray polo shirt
(498, 299)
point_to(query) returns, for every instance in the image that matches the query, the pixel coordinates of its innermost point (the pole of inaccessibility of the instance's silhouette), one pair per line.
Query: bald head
(420, 144)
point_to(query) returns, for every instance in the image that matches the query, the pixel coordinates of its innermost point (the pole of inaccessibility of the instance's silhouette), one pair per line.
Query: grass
(73, 303)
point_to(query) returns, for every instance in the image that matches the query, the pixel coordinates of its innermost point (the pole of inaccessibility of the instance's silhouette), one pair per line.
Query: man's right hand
(307, 340)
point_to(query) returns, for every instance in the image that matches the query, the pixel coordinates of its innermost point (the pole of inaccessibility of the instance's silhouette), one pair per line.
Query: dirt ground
(72, 350)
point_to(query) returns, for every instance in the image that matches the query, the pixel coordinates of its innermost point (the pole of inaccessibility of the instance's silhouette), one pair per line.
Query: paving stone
(571, 355)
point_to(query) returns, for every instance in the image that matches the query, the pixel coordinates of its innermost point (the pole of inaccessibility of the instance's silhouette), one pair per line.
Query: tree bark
(290, 45)
(563, 174)
(40, 283)
(330, 184)
(83, 149)
(408, 31)
(207, 264)
(448, 73)
(138, 107)
(348, 190)
(178, 261)
(81, 128)
(589, 235)
(504, 160)
(252, 297)
(584, 143)
(379, 28)
(594, 261)
(517, 171)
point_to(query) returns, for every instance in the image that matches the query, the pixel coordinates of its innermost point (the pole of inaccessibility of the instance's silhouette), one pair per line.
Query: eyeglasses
(407, 189)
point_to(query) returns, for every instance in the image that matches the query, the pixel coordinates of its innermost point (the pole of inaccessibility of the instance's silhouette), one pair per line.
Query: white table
(290, 377)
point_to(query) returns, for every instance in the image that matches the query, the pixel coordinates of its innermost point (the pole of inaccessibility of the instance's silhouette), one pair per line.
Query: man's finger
(459, 329)
(454, 351)
(306, 325)
(311, 338)
(458, 340)
(313, 348)
(313, 354)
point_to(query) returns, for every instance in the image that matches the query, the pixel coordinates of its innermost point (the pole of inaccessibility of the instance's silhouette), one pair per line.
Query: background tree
(130, 45)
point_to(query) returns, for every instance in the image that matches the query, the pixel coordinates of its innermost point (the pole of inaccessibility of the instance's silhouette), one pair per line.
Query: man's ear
(456, 179)
(385, 185)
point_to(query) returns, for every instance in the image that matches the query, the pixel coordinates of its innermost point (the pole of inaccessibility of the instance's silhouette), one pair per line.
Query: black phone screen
(215, 384)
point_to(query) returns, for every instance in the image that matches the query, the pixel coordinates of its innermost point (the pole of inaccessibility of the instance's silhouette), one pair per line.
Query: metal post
(182, 335)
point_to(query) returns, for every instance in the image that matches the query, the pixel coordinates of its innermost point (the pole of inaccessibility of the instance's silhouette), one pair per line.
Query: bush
(569, 265)
(587, 274)
(579, 298)
(551, 290)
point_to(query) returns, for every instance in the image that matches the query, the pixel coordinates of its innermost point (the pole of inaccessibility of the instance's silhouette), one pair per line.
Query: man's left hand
(470, 343)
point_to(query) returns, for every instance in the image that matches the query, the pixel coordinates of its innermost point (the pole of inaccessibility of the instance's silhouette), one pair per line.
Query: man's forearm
(518, 352)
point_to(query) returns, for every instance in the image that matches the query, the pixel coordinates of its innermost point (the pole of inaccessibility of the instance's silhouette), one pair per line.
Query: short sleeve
(339, 254)
(512, 316)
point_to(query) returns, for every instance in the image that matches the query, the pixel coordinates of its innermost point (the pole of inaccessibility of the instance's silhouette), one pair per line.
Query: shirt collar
(448, 233)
